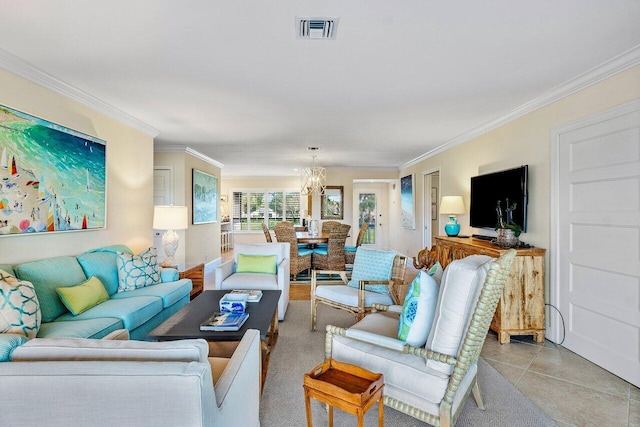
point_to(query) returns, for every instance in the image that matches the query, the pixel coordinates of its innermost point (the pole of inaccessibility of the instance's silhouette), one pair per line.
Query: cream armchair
(82, 382)
(430, 382)
(227, 277)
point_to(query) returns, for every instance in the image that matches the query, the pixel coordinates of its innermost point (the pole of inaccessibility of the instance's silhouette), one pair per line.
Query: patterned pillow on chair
(137, 271)
(19, 306)
(418, 310)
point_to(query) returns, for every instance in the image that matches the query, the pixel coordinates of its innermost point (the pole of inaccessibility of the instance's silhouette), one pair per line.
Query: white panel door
(598, 239)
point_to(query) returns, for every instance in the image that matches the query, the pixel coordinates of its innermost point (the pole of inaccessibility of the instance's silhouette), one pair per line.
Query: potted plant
(508, 231)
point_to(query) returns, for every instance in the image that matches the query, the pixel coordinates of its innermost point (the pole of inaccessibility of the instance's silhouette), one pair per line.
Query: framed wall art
(331, 203)
(52, 178)
(205, 197)
(407, 201)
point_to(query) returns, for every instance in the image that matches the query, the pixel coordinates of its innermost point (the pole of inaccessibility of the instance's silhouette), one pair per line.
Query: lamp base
(170, 241)
(452, 228)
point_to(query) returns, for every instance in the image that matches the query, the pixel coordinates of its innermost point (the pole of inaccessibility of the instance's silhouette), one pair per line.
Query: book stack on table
(253, 295)
(224, 321)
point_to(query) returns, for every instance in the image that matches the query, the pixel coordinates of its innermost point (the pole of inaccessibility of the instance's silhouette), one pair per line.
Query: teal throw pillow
(137, 271)
(257, 264)
(83, 296)
(372, 264)
(418, 310)
(19, 307)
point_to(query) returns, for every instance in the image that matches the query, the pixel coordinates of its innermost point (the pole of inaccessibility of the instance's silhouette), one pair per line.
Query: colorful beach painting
(407, 202)
(52, 178)
(205, 197)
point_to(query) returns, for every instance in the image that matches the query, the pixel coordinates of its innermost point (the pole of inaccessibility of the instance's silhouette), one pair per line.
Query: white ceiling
(230, 79)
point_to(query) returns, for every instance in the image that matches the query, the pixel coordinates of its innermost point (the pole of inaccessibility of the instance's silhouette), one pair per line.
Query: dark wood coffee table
(185, 324)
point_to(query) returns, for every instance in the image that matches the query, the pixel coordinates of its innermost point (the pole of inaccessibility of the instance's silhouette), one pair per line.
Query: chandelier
(314, 178)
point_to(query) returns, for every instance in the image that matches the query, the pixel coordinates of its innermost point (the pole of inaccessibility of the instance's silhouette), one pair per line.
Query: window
(252, 208)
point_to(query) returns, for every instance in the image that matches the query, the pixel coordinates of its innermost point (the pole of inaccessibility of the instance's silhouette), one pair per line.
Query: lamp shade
(170, 218)
(451, 205)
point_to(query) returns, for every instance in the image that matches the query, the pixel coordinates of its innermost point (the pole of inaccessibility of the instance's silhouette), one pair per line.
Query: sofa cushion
(102, 265)
(43, 349)
(113, 249)
(19, 308)
(405, 371)
(256, 264)
(372, 264)
(47, 275)
(418, 310)
(459, 292)
(137, 271)
(132, 311)
(170, 292)
(251, 281)
(8, 343)
(82, 297)
(349, 296)
(88, 328)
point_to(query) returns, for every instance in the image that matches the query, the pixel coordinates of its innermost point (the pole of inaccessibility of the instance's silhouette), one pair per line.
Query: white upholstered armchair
(247, 271)
(431, 378)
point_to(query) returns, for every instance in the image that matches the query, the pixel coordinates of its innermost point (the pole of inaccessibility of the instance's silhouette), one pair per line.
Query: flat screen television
(487, 189)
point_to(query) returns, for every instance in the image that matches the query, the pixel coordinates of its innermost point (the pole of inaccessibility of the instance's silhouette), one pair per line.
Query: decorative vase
(507, 238)
(452, 228)
(314, 227)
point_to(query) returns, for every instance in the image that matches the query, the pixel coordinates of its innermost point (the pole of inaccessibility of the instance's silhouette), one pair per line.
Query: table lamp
(170, 218)
(452, 206)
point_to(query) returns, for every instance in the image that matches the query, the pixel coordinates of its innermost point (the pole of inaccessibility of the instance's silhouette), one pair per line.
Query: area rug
(298, 350)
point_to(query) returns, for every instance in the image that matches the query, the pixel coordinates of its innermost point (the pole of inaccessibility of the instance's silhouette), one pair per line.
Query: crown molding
(187, 150)
(607, 69)
(27, 71)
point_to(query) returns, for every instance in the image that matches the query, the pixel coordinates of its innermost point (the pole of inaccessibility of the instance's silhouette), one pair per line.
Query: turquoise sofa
(139, 311)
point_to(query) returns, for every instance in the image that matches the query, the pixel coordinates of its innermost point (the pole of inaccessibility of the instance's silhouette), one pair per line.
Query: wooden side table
(196, 274)
(347, 387)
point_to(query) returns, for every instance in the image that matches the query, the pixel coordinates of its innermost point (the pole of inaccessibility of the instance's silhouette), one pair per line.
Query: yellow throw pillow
(82, 297)
(257, 264)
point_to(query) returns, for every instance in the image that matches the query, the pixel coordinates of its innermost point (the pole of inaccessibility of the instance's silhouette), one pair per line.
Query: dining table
(308, 238)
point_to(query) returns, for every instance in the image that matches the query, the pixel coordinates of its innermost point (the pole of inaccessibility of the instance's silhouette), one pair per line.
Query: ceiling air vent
(316, 28)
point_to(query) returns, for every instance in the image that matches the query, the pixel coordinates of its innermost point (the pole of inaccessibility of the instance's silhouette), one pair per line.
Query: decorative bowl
(235, 303)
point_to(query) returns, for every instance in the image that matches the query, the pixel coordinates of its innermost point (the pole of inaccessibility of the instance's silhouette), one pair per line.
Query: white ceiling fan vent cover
(316, 28)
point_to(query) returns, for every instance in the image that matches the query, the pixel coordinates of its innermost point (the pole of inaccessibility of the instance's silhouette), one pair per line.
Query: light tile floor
(567, 387)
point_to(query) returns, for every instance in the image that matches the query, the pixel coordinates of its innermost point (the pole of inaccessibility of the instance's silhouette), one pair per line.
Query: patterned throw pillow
(137, 271)
(19, 307)
(372, 264)
(418, 310)
(436, 272)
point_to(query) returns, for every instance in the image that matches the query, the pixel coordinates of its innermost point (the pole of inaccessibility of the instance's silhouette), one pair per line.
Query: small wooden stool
(347, 387)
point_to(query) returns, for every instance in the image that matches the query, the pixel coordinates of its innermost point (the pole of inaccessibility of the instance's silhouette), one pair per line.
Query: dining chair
(350, 251)
(267, 233)
(332, 257)
(375, 274)
(430, 372)
(327, 226)
(299, 259)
